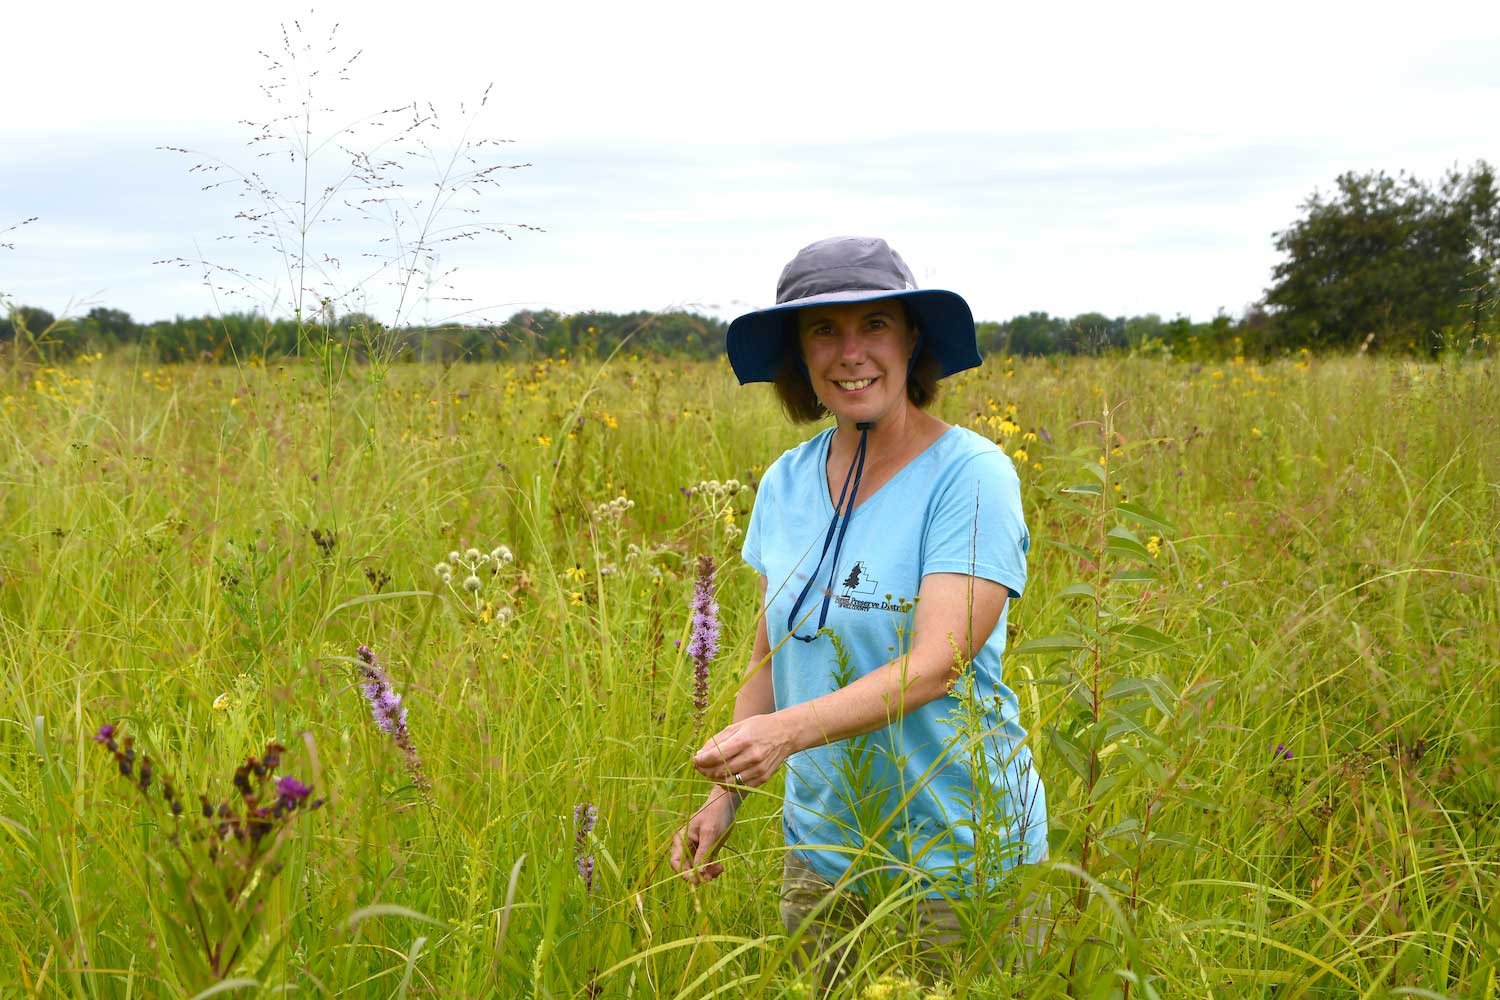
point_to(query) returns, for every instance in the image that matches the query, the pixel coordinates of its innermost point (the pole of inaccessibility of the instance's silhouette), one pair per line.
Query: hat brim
(755, 341)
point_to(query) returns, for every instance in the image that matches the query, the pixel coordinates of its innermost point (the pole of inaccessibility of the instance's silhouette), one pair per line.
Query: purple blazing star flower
(584, 815)
(385, 703)
(1282, 751)
(106, 733)
(389, 715)
(586, 871)
(703, 643)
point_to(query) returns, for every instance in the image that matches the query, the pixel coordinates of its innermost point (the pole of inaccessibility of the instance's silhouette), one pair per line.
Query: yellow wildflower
(544, 440)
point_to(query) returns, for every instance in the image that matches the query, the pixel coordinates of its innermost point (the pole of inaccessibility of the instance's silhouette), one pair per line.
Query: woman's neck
(894, 436)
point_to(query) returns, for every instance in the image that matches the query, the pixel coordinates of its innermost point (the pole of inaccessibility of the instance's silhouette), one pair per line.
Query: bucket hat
(851, 269)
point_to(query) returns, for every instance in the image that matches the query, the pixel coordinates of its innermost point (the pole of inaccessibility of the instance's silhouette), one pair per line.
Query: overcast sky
(1124, 158)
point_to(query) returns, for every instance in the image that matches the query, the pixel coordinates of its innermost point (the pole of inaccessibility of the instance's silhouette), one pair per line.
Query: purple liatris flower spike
(389, 715)
(703, 641)
(385, 703)
(584, 815)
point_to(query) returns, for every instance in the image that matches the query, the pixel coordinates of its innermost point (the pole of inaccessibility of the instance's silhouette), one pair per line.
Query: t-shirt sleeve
(750, 549)
(975, 525)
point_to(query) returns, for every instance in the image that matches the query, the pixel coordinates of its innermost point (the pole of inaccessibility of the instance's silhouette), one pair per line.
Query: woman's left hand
(748, 752)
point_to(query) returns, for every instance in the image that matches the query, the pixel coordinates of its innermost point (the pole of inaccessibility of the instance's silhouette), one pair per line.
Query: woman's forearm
(875, 700)
(756, 696)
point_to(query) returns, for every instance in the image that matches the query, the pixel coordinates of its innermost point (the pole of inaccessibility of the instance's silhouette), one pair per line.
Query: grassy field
(1259, 656)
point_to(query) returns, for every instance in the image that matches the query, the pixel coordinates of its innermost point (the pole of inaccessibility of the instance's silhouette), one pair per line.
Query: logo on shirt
(859, 587)
(859, 580)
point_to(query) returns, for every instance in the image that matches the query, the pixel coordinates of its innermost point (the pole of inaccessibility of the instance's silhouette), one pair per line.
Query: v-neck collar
(827, 489)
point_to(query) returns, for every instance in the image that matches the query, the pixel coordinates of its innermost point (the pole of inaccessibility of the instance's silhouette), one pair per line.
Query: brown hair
(794, 388)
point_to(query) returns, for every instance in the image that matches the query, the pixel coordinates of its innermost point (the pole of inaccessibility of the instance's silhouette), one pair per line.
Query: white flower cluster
(613, 510)
(472, 560)
(718, 498)
(712, 490)
(470, 563)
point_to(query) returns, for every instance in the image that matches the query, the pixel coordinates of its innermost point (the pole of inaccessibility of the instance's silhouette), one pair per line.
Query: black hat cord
(851, 479)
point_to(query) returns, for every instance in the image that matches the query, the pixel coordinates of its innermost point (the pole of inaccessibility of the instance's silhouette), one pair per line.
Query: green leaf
(1127, 687)
(1122, 541)
(1185, 841)
(1083, 697)
(1127, 825)
(1145, 516)
(1088, 489)
(1048, 644)
(1141, 637)
(1195, 802)
(1072, 754)
(1134, 576)
(1159, 691)
(390, 910)
(226, 986)
(1130, 550)
(1071, 549)
(1077, 590)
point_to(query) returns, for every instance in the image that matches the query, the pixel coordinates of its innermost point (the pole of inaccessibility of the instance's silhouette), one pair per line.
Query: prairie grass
(1258, 657)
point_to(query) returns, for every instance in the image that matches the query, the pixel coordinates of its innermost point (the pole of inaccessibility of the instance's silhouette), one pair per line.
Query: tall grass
(1225, 561)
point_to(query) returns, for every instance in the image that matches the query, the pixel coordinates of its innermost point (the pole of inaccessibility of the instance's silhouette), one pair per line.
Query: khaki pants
(824, 917)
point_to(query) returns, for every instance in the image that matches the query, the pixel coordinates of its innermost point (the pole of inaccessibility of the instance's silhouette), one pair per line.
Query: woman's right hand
(695, 846)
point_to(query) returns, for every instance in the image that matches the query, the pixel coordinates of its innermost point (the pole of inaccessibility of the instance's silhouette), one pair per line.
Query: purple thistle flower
(291, 791)
(106, 733)
(389, 715)
(703, 642)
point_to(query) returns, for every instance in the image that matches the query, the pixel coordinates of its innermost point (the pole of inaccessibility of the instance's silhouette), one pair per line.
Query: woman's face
(857, 355)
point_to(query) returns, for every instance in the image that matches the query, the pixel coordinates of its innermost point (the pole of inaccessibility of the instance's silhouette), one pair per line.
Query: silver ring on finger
(737, 779)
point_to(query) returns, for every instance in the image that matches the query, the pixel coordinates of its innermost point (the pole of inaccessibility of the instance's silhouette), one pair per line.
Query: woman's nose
(851, 347)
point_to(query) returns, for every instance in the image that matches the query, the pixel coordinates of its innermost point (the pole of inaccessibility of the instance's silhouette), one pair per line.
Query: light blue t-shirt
(908, 798)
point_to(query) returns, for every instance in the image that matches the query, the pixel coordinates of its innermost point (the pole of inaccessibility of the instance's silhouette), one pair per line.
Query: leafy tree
(34, 319)
(1383, 259)
(1479, 198)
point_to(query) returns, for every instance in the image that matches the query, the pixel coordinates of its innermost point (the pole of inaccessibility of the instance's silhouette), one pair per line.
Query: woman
(888, 548)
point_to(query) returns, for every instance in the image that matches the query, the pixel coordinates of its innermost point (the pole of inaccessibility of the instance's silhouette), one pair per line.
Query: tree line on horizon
(1382, 263)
